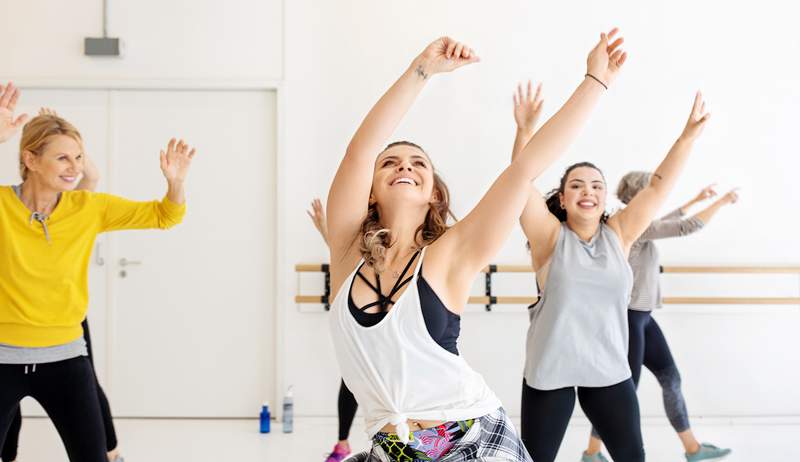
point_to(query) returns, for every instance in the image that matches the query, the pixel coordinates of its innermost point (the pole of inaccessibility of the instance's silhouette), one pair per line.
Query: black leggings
(68, 393)
(613, 410)
(347, 411)
(648, 347)
(9, 448)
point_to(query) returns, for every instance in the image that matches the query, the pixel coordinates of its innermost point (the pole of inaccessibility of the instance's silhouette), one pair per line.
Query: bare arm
(485, 229)
(538, 224)
(705, 215)
(8, 102)
(348, 199)
(632, 221)
(706, 193)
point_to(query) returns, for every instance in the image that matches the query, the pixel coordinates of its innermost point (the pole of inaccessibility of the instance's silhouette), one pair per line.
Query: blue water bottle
(264, 418)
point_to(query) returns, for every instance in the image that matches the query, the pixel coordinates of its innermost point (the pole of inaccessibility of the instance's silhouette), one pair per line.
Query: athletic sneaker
(340, 451)
(596, 457)
(708, 452)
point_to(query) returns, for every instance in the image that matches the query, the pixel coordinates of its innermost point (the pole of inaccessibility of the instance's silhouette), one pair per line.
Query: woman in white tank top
(383, 207)
(578, 337)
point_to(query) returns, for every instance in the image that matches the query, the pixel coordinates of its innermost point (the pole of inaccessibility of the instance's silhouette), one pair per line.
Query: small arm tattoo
(421, 72)
(658, 176)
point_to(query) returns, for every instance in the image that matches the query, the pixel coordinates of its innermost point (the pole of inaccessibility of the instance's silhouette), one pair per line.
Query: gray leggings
(647, 346)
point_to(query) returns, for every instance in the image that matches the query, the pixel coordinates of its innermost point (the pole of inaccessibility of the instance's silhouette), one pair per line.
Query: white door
(193, 321)
(87, 110)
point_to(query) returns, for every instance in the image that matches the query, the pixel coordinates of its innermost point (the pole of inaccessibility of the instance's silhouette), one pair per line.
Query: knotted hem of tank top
(401, 428)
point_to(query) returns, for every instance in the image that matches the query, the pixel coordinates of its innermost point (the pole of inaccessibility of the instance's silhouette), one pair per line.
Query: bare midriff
(414, 425)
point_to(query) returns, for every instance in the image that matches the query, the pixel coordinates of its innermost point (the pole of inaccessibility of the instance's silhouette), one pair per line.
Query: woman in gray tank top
(578, 336)
(646, 344)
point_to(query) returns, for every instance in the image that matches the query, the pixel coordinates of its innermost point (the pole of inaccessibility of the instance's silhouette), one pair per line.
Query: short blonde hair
(39, 132)
(631, 184)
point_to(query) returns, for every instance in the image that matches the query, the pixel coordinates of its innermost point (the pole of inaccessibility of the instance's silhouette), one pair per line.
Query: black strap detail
(385, 300)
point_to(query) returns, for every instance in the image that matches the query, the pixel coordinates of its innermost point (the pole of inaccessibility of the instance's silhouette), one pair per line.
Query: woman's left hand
(177, 159)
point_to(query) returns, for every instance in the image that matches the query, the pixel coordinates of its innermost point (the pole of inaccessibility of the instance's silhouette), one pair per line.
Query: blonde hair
(375, 238)
(631, 184)
(38, 133)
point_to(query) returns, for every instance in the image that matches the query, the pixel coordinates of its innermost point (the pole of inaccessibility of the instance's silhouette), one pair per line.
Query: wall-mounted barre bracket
(326, 268)
(491, 269)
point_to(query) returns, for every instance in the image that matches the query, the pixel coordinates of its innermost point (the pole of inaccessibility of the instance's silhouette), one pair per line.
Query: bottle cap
(290, 392)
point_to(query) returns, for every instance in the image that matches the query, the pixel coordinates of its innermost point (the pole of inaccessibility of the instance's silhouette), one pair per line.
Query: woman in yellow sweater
(47, 232)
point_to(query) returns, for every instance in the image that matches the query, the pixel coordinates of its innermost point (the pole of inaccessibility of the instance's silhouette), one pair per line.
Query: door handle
(125, 262)
(98, 260)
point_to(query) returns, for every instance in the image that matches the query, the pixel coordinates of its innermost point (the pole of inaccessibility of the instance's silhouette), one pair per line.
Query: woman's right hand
(605, 61)
(8, 101)
(443, 55)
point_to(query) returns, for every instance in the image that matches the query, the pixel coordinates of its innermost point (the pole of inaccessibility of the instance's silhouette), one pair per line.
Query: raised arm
(317, 214)
(349, 194)
(634, 219)
(484, 230)
(120, 213)
(706, 193)
(8, 102)
(538, 224)
(705, 215)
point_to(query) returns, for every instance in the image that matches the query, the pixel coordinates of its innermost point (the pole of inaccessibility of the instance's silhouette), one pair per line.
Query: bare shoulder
(614, 225)
(342, 265)
(541, 255)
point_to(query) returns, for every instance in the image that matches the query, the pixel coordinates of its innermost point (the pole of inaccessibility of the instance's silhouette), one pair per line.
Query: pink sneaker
(340, 451)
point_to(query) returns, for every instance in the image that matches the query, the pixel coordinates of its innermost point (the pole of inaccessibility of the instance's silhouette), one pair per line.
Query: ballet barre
(490, 299)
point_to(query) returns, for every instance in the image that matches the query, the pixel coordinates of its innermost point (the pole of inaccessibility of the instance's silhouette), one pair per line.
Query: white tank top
(396, 370)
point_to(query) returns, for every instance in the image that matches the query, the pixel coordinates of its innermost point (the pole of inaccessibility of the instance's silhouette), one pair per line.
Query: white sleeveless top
(579, 327)
(396, 370)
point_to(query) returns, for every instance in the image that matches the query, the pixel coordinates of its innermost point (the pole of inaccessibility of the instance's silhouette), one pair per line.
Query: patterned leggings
(428, 444)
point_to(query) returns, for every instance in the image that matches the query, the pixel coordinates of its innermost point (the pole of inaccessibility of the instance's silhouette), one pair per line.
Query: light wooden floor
(763, 440)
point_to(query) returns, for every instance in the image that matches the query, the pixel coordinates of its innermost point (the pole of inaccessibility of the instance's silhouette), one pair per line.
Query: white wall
(340, 57)
(176, 39)
(334, 59)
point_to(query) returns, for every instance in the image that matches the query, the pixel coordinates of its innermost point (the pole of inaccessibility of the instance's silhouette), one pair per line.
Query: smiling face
(59, 164)
(584, 195)
(403, 176)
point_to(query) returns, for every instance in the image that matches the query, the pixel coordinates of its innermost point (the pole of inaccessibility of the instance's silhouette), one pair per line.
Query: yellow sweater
(44, 291)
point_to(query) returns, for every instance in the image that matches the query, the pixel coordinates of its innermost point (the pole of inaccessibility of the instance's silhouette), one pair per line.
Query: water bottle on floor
(264, 418)
(288, 411)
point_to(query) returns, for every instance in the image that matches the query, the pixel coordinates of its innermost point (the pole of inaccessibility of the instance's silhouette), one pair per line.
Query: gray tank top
(578, 334)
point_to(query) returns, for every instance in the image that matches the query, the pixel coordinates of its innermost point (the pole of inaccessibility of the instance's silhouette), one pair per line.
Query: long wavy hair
(375, 238)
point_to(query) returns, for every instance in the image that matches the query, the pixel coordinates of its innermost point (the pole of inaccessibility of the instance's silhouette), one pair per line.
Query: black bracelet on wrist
(598, 80)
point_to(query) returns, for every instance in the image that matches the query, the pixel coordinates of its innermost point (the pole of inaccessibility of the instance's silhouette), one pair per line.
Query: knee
(669, 378)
